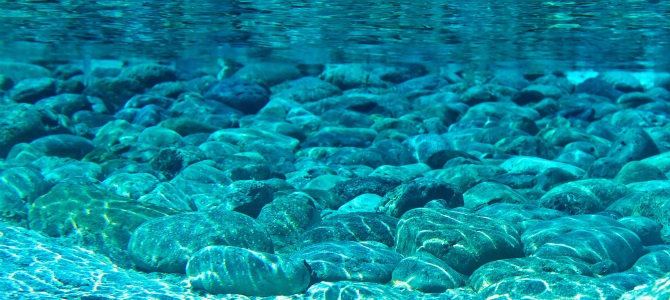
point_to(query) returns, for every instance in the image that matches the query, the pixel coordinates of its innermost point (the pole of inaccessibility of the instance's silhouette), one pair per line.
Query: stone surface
(166, 244)
(234, 270)
(464, 241)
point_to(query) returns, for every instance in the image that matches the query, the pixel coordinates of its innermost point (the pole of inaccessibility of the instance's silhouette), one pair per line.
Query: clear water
(567, 34)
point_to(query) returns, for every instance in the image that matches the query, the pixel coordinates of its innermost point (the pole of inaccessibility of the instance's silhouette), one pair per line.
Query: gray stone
(286, 218)
(551, 286)
(596, 245)
(496, 271)
(352, 261)
(64, 145)
(586, 196)
(166, 244)
(463, 240)
(417, 193)
(234, 270)
(545, 231)
(32, 90)
(487, 193)
(356, 227)
(425, 273)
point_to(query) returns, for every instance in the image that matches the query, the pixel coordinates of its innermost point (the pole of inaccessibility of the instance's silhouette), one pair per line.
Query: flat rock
(616, 248)
(464, 241)
(234, 270)
(551, 286)
(355, 227)
(166, 244)
(545, 231)
(534, 165)
(349, 261)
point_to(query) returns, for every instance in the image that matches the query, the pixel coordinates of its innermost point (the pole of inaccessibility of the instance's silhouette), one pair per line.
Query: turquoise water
(568, 34)
(268, 149)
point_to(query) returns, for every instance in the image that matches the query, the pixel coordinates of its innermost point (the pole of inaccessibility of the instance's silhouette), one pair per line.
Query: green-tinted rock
(584, 196)
(166, 244)
(286, 218)
(101, 217)
(551, 286)
(187, 126)
(352, 261)
(656, 290)
(545, 231)
(417, 193)
(636, 171)
(464, 241)
(497, 271)
(487, 193)
(356, 227)
(425, 273)
(654, 204)
(234, 270)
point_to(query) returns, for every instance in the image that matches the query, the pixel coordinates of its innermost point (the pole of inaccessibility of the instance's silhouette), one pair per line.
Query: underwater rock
(634, 144)
(656, 290)
(240, 94)
(654, 205)
(585, 196)
(622, 81)
(534, 165)
(132, 185)
(525, 146)
(354, 187)
(521, 216)
(349, 261)
(637, 171)
(655, 263)
(305, 89)
(166, 244)
(349, 76)
(543, 232)
(551, 286)
(148, 74)
(286, 218)
(63, 145)
(596, 245)
(355, 227)
(536, 93)
(20, 187)
(426, 273)
(50, 269)
(234, 270)
(634, 100)
(341, 137)
(496, 271)
(34, 124)
(268, 74)
(65, 104)
(101, 218)
(598, 87)
(487, 193)
(417, 193)
(647, 229)
(464, 241)
(32, 90)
